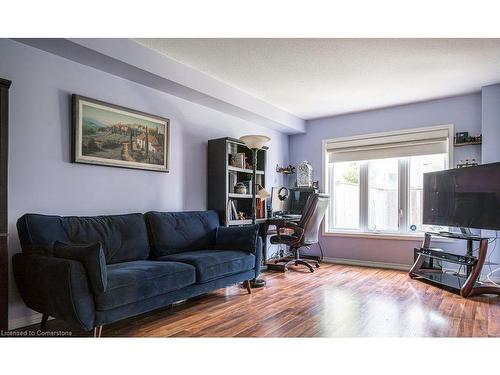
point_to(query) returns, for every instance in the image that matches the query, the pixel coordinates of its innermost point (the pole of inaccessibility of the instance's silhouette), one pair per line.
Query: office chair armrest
(298, 231)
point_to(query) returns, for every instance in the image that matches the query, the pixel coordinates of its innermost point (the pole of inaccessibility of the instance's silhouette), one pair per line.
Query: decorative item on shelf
(241, 215)
(254, 143)
(467, 163)
(285, 170)
(463, 138)
(315, 185)
(240, 188)
(238, 160)
(248, 185)
(304, 174)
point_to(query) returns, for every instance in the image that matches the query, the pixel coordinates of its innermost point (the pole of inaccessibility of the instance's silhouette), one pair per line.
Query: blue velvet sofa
(150, 261)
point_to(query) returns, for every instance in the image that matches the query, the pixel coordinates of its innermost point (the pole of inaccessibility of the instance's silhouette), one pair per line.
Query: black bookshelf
(222, 176)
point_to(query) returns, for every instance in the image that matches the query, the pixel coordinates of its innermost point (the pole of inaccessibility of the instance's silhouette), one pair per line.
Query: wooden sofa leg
(97, 331)
(247, 285)
(43, 323)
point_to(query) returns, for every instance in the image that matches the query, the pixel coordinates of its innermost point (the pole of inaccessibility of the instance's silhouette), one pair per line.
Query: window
(375, 182)
(418, 166)
(346, 196)
(383, 195)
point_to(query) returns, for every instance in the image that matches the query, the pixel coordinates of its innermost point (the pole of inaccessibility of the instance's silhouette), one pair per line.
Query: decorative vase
(240, 188)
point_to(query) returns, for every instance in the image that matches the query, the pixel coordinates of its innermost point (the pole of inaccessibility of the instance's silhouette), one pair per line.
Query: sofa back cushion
(176, 232)
(123, 237)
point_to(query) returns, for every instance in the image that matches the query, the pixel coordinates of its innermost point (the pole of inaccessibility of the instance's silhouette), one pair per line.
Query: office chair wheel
(317, 265)
(311, 269)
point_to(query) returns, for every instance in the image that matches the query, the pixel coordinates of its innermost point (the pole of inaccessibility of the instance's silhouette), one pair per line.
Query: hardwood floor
(334, 301)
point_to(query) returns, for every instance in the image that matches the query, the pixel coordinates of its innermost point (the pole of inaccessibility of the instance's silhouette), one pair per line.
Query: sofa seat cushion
(138, 280)
(214, 264)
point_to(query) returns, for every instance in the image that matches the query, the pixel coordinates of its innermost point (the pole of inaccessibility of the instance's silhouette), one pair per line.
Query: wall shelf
(467, 143)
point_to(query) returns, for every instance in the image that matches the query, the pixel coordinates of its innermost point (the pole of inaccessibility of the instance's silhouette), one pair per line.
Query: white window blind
(413, 143)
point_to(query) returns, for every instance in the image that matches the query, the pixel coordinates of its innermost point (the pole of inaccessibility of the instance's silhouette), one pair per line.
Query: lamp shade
(263, 194)
(254, 141)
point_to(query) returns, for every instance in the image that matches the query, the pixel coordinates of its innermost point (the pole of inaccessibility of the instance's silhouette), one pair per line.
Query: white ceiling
(319, 77)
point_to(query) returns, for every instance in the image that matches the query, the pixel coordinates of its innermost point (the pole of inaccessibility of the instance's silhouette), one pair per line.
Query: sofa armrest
(56, 287)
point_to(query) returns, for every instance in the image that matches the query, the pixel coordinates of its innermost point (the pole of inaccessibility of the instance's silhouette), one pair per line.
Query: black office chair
(305, 233)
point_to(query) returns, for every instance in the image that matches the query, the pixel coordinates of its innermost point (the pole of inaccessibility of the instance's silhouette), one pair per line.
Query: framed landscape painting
(107, 134)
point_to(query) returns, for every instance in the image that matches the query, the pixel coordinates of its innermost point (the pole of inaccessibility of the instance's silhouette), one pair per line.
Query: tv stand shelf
(458, 236)
(440, 254)
(452, 281)
(466, 285)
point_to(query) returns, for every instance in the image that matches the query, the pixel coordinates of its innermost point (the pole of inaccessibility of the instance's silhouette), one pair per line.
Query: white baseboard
(393, 266)
(25, 321)
(367, 263)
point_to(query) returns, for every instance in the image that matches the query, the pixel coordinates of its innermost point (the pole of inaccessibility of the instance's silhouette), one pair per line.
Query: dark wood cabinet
(4, 143)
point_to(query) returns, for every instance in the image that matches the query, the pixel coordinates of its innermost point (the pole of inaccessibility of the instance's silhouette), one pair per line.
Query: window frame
(403, 183)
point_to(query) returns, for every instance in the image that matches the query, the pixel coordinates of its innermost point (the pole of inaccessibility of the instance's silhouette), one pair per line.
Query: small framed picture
(110, 135)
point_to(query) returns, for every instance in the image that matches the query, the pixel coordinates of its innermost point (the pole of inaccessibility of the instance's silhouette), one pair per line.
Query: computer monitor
(289, 200)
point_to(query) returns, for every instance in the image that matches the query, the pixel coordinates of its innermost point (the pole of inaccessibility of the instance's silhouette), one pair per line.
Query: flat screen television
(463, 197)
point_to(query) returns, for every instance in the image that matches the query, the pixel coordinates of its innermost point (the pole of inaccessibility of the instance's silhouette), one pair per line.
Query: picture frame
(111, 135)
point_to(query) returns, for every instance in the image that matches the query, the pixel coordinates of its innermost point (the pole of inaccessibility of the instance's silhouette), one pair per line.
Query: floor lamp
(255, 143)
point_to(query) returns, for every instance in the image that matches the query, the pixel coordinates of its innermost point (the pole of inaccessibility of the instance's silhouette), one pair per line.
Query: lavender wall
(490, 150)
(41, 177)
(491, 123)
(462, 111)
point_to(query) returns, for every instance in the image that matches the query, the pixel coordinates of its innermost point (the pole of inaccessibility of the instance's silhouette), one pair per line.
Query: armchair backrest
(312, 216)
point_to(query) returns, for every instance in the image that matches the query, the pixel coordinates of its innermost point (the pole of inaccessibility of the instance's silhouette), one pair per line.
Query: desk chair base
(297, 261)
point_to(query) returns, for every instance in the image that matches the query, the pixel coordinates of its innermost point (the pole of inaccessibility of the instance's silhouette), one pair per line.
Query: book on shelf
(232, 212)
(233, 180)
(260, 211)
